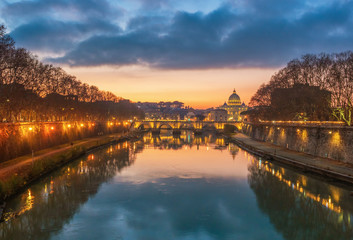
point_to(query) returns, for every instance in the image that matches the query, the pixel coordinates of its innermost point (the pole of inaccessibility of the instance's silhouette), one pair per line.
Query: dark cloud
(58, 25)
(275, 8)
(152, 23)
(258, 34)
(82, 8)
(154, 4)
(52, 35)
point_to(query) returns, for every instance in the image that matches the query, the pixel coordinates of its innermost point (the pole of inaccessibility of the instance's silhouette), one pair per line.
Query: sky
(194, 51)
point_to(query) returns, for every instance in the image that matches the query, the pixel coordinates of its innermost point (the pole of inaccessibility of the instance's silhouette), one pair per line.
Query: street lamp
(31, 131)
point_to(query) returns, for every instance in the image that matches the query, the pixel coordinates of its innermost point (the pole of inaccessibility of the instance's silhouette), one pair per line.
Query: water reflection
(301, 207)
(44, 208)
(185, 139)
(178, 187)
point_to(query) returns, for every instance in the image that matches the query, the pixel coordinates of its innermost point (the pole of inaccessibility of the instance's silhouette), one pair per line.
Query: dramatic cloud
(58, 25)
(246, 34)
(74, 9)
(55, 36)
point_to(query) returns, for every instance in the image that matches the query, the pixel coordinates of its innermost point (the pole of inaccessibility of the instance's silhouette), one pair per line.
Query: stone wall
(17, 139)
(335, 142)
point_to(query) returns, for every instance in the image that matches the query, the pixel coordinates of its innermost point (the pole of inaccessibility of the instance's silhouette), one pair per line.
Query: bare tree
(329, 72)
(31, 90)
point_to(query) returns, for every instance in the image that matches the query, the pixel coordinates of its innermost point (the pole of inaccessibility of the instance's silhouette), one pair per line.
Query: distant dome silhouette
(234, 99)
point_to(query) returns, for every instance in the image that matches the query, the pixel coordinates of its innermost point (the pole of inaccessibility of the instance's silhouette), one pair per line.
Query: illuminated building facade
(234, 107)
(218, 115)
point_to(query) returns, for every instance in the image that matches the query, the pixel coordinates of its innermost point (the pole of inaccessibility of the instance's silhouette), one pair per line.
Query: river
(178, 188)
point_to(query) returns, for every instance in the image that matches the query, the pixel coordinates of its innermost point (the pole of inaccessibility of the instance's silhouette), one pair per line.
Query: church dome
(234, 99)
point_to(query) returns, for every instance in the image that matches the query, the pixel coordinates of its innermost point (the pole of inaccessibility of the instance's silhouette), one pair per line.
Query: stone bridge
(177, 125)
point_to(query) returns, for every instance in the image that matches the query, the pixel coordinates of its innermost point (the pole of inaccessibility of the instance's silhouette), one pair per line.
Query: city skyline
(177, 50)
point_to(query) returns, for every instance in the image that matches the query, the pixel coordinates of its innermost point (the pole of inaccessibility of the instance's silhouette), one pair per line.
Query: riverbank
(325, 167)
(18, 173)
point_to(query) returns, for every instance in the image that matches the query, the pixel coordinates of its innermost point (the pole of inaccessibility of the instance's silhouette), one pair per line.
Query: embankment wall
(335, 142)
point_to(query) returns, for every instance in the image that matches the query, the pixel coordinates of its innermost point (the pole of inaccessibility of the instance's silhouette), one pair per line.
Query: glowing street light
(32, 139)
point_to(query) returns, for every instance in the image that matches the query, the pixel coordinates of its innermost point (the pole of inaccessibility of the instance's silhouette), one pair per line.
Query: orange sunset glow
(196, 88)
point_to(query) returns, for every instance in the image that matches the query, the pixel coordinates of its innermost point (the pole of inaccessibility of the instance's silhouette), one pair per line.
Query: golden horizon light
(201, 88)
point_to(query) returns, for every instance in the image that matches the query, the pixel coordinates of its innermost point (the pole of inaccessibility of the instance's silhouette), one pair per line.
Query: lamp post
(32, 139)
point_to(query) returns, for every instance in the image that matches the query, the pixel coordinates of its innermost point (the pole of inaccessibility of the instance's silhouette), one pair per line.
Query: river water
(178, 188)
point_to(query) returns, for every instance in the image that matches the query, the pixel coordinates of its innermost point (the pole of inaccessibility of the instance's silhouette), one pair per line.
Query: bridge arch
(168, 127)
(238, 126)
(144, 126)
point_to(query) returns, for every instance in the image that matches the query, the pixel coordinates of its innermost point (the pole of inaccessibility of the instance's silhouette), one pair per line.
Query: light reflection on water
(186, 187)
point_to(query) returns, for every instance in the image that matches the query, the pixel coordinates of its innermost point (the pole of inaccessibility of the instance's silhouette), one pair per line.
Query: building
(217, 115)
(234, 107)
(163, 110)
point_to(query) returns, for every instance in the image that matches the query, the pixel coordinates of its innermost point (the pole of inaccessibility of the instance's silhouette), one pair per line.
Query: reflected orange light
(336, 139)
(297, 186)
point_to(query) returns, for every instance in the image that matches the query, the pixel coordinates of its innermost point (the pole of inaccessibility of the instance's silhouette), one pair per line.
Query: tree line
(328, 72)
(31, 90)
